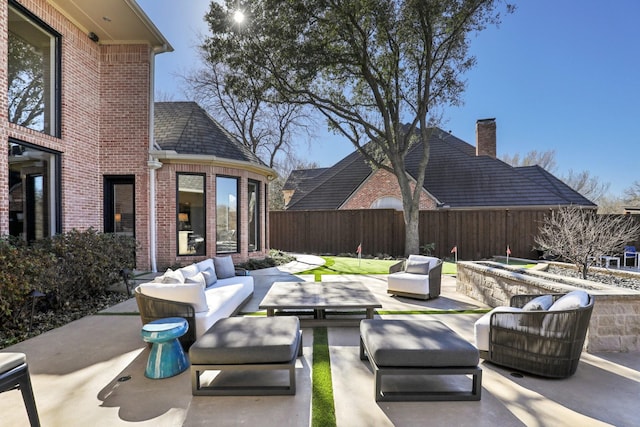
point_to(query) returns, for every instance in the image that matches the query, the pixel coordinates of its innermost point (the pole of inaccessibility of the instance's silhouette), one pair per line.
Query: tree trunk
(412, 235)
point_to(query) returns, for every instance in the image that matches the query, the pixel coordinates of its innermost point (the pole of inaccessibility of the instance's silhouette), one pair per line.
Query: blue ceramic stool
(166, 358)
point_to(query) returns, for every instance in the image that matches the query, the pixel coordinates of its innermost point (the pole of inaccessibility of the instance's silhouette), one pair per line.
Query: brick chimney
(486, 137)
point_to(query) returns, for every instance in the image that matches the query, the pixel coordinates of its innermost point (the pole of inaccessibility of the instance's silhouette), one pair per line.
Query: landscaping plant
(581, 236)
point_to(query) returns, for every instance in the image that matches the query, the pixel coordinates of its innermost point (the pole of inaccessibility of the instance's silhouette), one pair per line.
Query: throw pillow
(170, 277)
(417, 265)
(209, 276)
(205, 264)
(570, 301)
(224, 267)
(543, 302)
(197, 278)
(189, 271)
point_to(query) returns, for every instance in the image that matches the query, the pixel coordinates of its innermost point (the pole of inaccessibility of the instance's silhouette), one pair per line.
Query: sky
(556, 75)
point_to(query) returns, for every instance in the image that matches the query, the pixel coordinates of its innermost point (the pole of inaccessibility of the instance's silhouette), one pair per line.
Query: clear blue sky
(556, 75)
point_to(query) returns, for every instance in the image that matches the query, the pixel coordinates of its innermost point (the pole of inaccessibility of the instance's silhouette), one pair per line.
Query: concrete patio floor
(91, 372)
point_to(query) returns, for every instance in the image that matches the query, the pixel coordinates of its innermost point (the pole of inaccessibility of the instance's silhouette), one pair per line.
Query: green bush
(77, 265)
(24, 269)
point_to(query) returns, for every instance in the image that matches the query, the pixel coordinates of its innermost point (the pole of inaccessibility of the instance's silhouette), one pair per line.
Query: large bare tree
(249, 109)
(380, 72)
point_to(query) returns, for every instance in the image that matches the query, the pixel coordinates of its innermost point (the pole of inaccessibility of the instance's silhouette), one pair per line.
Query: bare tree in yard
(583, 182)
(581, 236)
(379, 71)
(544, 159)
(632, 194)
(249, 109)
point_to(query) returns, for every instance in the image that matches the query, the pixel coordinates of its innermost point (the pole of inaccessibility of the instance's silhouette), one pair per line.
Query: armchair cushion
(543, 302)
(417, 264)
(570, 301)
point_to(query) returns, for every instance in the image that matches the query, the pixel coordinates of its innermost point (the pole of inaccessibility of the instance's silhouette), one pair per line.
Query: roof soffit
(113, 21)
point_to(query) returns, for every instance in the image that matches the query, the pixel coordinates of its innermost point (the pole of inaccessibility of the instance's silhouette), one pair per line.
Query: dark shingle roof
(455, 176)
(186, 128)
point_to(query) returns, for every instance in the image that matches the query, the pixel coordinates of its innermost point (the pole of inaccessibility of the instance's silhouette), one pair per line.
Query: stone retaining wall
(615, 321)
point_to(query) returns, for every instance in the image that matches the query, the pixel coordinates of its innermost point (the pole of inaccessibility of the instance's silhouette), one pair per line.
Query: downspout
(153, 164)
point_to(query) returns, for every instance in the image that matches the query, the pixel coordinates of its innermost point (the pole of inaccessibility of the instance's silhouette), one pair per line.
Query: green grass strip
(323, 412)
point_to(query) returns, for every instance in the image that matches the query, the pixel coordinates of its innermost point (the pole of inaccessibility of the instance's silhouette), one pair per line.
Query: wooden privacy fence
(477, 234)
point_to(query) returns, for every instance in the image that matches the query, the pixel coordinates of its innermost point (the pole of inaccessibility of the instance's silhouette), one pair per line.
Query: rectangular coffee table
(319, 297)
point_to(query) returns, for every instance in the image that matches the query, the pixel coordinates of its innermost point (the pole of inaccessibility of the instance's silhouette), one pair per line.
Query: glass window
(191, 215)
(387, 203)
(253, 198)
(33, 192)
(119, 205)
(33, 74)
(226, 214)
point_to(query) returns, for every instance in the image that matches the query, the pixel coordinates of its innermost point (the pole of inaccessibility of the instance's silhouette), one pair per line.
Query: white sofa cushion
(191, 293)
(223, 299)
(482, 326)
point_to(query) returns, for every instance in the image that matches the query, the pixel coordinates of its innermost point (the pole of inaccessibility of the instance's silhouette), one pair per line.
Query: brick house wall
(166, 212)
(104, 124)
(105, 131)
(125, 81)
(379, 184)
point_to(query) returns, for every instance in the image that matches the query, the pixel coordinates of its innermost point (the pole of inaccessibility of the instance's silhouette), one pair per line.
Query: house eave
(514, 208)
(170, 156)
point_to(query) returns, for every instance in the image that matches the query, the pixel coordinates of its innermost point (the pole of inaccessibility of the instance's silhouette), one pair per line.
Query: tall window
(119, 205)
(191, 215)
(34, 183)
(253, 197)
(227, 214)
(33, 72)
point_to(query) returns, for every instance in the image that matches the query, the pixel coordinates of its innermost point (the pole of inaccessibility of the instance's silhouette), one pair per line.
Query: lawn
(346, 265)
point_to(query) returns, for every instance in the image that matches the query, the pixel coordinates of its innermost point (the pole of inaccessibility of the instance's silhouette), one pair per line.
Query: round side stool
(166, 358)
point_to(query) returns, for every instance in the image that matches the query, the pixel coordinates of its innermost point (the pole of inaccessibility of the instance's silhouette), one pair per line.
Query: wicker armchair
(152, 308)
(412, 285)
(540, 342)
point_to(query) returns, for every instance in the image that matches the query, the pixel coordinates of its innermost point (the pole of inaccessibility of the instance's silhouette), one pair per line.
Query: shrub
(77, 265)
(24, 269)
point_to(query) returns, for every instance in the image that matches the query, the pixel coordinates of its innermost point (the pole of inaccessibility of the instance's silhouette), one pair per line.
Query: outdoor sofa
(202, 293)
(538, 334)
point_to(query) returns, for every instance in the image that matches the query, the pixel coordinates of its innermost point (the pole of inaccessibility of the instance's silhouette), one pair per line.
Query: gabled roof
(455, 176)
(186, 128)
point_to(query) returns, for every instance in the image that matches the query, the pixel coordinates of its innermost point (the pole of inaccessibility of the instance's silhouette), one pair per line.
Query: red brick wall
(166, 213)
(104, 123)
(124, 128)
(382, 184)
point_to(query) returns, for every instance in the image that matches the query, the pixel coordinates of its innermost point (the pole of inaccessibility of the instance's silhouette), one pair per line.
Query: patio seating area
(91, 372)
